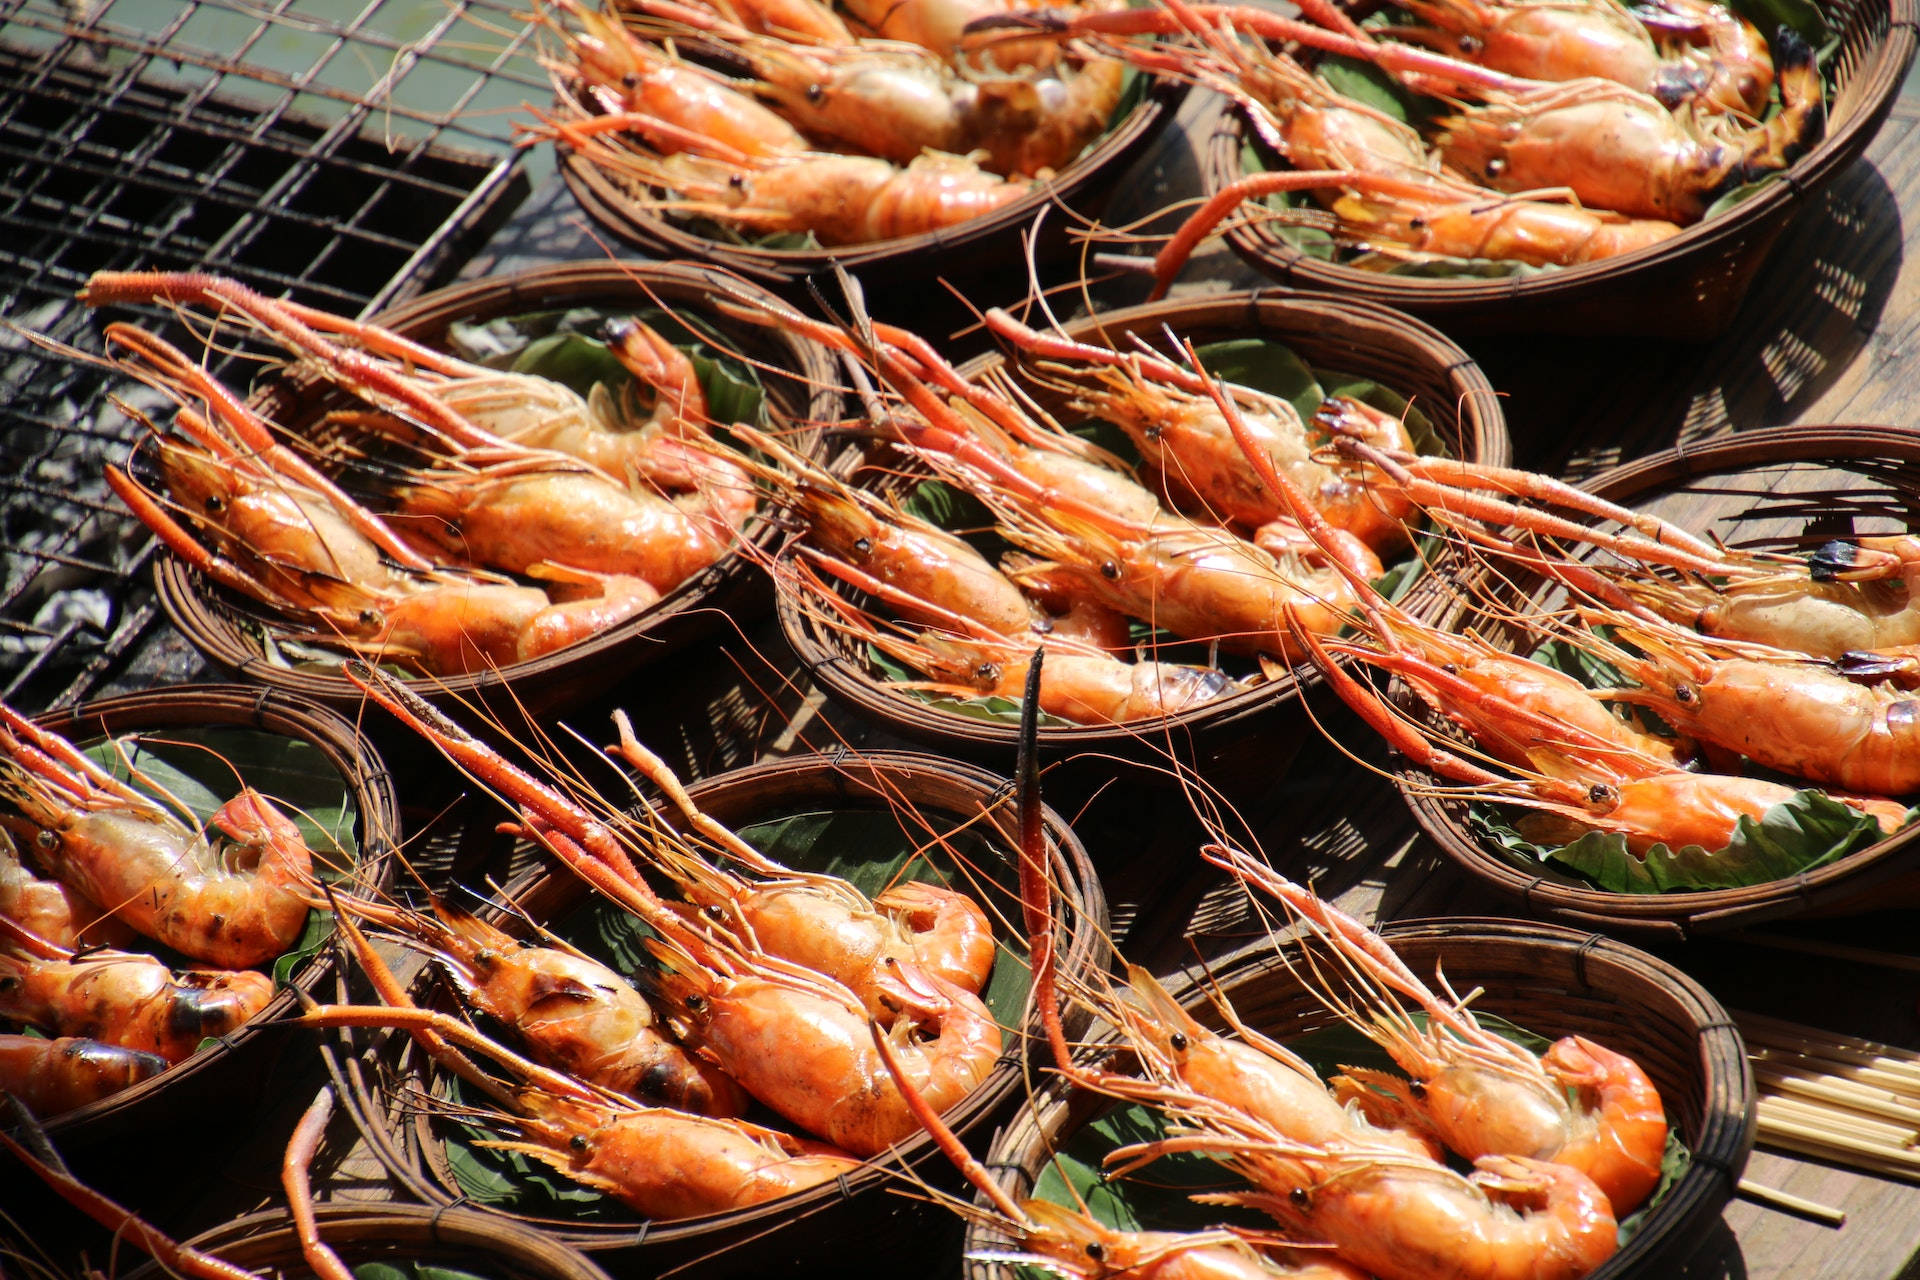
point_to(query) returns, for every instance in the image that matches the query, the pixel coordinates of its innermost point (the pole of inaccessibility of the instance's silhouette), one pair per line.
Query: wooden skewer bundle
(1836, 1098)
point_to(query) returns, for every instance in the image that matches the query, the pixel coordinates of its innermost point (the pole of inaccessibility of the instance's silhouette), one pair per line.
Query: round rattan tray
(798, 379)
(1688, 287)
(1548, 980)
(232, 719)
(798, 1230)
(1331, 335)
(1794, 486)
(447, 1240)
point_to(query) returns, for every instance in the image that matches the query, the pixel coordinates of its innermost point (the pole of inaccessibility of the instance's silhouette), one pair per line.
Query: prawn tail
(1799, 125)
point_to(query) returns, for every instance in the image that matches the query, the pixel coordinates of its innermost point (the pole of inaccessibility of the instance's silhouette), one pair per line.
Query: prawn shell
(906, 266)
(1719, 488)
(1689, 287)
(814, 1223)
(1550, 980)
(455, 1240)
(797, 375)
(1245, 737)
(227, 1076)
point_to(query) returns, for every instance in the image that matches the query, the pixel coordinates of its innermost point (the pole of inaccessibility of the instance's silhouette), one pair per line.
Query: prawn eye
(696, 1002)
(987, 672)
(1299, 1198)
(1178, 1041)
(1470, 45)
(1602, 793)
(1686, 695)
(1496, 166)
(816, 94)
(1418, 1088)
(216, 504)
(369, 617)
(47, 840)
(1096, 1250)
(863, 546)
(1110, 570)
(713, 911)
(578, 1142)
(631, 80)
(1451, 668)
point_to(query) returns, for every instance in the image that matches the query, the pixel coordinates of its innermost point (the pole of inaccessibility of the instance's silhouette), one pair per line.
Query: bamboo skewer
(1835, 1098)
(1775, 1198)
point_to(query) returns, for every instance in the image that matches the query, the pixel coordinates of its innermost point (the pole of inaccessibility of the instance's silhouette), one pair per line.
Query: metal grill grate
(345, 161)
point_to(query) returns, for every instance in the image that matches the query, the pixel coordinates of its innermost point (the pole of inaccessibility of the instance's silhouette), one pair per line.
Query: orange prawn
(821, 922)
(571, 1011)
(1166, 411)
(124, 999)
(1579, 1103)
(53, 909)
(54, 1076)
(230, 892)
(1678, 51)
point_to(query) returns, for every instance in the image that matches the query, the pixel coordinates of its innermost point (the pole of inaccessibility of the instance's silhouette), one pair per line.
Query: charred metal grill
(342, 161)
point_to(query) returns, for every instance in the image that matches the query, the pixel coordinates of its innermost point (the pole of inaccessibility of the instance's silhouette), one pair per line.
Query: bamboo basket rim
(381, 1229)
(209, 616)
(860, 780)
(1868, 94)
(1720, 1139)
(1317, 321)
(607, 204)
(271, 711)
(1683, 913)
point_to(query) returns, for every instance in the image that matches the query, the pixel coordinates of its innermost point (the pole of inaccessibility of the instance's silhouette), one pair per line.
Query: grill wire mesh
(342, 156)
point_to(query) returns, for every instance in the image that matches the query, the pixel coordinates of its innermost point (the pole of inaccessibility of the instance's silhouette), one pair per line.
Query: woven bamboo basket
(230, 718)
(1331, 335)
(1688, 287)
(797, 377)
(1548, 980)
(900, 265)
(447, 1240)
(802, 1229)
(1796, 486)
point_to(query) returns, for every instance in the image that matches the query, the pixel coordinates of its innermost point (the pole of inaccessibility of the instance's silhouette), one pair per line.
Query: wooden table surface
(1825, 337)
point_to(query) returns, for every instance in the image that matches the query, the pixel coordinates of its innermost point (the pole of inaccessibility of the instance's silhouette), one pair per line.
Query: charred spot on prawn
(1832, 559)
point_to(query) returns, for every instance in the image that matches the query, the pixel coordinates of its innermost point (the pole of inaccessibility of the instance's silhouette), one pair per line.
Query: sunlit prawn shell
(1688, 287)
(1246, 735)
(864, 789)
(797, 379)
(989, 245)
(1546, 979)
(340, 769)
(1778, 489)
